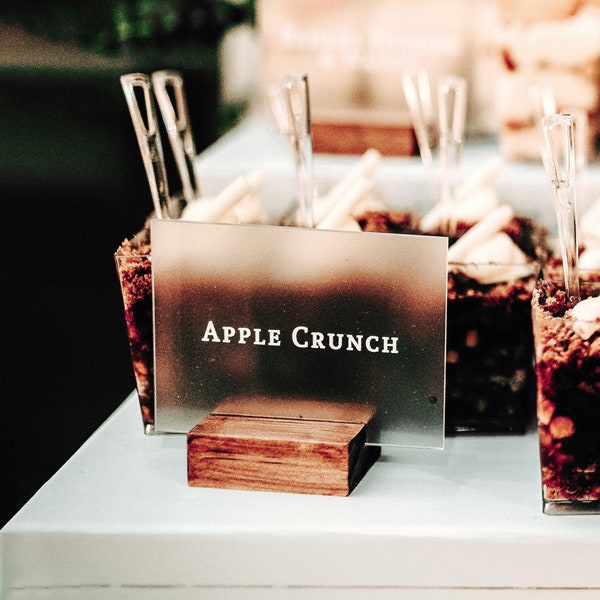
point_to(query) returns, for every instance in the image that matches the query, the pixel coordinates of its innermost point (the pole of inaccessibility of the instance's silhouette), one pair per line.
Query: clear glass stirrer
(290, 104)
(169, 90)
(452, 106)
(145, 123)
(417, 91)
(560, 161)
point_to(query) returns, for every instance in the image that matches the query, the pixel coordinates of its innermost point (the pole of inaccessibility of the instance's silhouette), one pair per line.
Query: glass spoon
(148, 137)
(560, 161)
(290, 104)
(452, 103)
(417, 91)
(172, 103)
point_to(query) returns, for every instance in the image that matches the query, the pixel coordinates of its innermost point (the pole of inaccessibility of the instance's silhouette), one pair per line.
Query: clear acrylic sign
(300, 323)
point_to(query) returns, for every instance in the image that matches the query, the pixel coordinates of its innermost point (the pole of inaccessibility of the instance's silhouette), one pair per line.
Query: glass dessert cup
(568, 400)
(490, 378)
(135, 278)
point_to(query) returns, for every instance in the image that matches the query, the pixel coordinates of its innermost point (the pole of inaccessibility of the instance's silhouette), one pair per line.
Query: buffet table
(398, 181)
(118, 520)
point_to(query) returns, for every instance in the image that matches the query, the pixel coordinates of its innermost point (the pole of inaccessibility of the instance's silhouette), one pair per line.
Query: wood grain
(357, 138)
(284, 455)
(296, 408)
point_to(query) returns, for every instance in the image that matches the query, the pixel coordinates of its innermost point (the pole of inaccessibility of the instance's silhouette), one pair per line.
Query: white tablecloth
(119, 521)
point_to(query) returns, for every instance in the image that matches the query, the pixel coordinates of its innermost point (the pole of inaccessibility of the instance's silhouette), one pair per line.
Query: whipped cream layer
(589, 259)
(574, 41)
(586, 317)
(475, 198)
(484, 252)
(487, 254)
(495, 260)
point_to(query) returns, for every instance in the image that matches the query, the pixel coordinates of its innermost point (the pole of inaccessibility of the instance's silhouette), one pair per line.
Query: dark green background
(72, 186)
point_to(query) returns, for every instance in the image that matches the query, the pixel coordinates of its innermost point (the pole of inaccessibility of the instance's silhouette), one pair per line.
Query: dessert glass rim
(520, 270)
(585, 276)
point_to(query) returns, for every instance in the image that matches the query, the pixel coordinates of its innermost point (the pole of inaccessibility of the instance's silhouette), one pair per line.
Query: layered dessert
(494, 261)
(237, 203)
(567, 352)
(493, 265)
(134, 268)
(553, 47)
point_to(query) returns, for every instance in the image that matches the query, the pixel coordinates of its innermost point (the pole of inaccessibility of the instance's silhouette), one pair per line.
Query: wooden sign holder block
(304, 456)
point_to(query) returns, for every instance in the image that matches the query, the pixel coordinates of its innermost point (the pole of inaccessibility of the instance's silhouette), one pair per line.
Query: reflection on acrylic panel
(303, 323)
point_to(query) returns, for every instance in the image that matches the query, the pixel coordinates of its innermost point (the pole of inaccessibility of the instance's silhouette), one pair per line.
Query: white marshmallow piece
(589, 259)
(364, 168)
(475, 197)
(586, 315)
(340, 216)
(216, 209)
(491, 224)
(495, 260)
